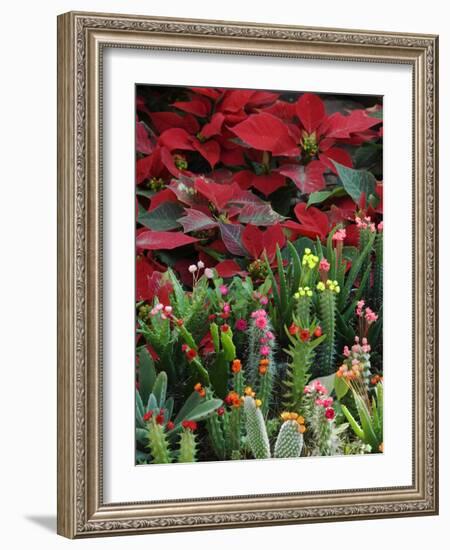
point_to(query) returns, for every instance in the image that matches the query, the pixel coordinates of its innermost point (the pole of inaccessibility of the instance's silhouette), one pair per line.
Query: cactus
(158, 444)
(304, 304)
(257, 437)
(327, 315)
(289, 442)
(262, 379)
(265, 388)
(216, 436)
(323, 435)
(197, 319)
(188, 446)
(298, 372)
(377, 290)
(364, 239)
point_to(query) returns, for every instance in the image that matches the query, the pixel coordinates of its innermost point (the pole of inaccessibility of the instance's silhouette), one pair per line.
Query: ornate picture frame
(82, 38)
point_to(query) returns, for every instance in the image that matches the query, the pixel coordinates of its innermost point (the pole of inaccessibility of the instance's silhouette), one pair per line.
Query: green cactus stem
(188, 446)
(235, 429)
(216, 436)
(197, 319)
(238, 382)
(298, 372)
(289, 442)
(257, 438)
(304, 310)
(158, 444)
(327, 315)
(265, 388)
(377, 294)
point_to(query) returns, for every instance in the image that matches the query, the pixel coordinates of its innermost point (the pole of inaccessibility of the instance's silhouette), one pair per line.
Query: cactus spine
(261, 365)
(298, 372)
(289, 442)
(158, 443)
(377, 298)
(188, 446)
(257, 437)
(216, 436)
(304, 310)
(327, 314)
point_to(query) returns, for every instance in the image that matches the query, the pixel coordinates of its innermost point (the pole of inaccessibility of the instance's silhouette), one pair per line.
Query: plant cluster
(259, 275)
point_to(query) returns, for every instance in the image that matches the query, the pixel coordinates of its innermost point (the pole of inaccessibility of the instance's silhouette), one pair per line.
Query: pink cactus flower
(241, 324)
(265, 350)
(261, 322)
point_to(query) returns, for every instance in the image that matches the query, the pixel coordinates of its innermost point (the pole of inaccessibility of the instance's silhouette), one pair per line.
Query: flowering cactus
(261, 365)
(188, 444)
(289, 442)
(158, 443)
(327, 314)
(301, 352)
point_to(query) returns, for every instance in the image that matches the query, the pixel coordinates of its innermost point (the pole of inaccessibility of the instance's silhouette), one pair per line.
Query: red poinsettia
(259, 243)
(306, 136)
(313, 222)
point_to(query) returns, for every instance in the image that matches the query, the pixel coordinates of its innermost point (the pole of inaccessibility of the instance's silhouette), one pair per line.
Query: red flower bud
(318, 332)
(180, 322)
(304, 335)
(170, 425)
(220, 411)
(189, 425)
(329, 413)
(293, 329)
(191, 354)
(147, 416)
(160, 419)
(224, 328)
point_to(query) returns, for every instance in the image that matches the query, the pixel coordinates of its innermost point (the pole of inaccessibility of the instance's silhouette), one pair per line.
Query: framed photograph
(247, 284)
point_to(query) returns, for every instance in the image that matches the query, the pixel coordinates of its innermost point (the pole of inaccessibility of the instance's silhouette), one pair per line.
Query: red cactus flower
(293, 329)
(318, 332)
(160, 419)
(189, 425)
(147, 416)
(191, 354)
(329, 413)
(170, 425)
(304, 335)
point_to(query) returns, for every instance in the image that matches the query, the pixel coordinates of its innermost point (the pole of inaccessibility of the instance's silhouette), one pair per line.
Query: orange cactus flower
(236, 366)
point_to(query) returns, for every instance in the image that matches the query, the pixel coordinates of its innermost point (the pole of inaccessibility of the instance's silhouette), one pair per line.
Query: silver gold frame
(81, 40)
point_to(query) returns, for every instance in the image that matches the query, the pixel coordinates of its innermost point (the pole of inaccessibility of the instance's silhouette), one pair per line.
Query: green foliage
(146, 374)
(285, 288)
(163, 218)
(356, 182)
(370, 426)
(354, 272)
(160, 389)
